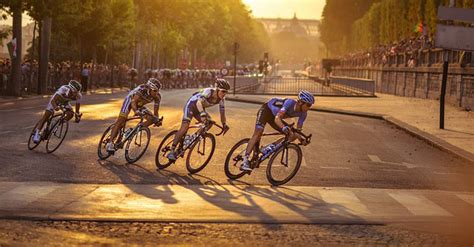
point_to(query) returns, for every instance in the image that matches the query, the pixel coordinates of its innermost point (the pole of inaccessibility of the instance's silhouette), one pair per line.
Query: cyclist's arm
(54, 100)
(301, 120)
(222, 111)
(199, 104)
(78, 103)
(156, 106)
(133, 104)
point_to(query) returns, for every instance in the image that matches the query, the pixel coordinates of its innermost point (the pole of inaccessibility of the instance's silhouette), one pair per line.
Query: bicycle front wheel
(102, 148)
(284, 164)
(57, 134)
(137, 145)
(31, 144)
(200, 153)
(161, 159)
(234, 160)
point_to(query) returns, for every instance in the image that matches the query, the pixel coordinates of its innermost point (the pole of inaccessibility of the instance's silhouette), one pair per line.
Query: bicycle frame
(137, 127)
(202, 130)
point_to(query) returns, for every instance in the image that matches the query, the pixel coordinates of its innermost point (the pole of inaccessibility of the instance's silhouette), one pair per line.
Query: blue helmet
(306, 97)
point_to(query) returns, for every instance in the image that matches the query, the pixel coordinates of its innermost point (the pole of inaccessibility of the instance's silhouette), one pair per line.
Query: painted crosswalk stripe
(419, 205)
(344, 202)
(22, 195)
(467, 198)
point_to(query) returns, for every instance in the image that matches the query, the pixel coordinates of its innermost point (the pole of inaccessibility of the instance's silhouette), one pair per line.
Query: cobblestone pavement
(13, 232)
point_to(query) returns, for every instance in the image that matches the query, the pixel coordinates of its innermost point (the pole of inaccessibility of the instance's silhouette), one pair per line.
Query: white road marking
(337, 120)
(419, 205)
(6, 132)
(28, 127)
(30, 107)
(467, 198)
(344, 202)
(335, 167)
(22, 195)
(376, 159)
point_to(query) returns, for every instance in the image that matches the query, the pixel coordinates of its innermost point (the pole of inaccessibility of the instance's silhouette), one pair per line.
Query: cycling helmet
(75, 85)
(222, 84)
(306, 97)
(154, 84)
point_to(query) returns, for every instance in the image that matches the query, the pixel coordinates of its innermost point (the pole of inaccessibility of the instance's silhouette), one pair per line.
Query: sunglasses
(225, 91)
(308, 104)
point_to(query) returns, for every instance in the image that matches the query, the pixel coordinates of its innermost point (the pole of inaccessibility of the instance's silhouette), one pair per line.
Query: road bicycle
(53, 132)
(285, 158)
(201, 146)
(135, 140)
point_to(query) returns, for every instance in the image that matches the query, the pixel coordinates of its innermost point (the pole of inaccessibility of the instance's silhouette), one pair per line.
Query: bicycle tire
(103, 143)
(127, 147)
(31, 144)
(230, 156)
(271, 178)
(193, 170)
(59, 123)
(169, 142)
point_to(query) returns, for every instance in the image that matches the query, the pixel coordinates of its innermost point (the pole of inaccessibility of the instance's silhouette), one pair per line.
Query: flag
(418, 27)
(12, 48)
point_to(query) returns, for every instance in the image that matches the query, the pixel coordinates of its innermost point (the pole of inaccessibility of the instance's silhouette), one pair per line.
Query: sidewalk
(419, 117)
(230, 203)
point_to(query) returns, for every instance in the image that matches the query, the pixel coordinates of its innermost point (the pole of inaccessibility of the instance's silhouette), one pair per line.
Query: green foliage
(384, 22)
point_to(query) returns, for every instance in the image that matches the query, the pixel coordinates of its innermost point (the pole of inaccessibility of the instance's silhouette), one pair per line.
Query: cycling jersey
(63, 96)
(144, 92)
(269, 110)
(205, 96)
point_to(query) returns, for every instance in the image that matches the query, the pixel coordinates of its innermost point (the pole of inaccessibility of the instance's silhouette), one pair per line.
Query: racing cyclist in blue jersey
(273, 112)
(66, 93)
(136, 101)
(196, 107)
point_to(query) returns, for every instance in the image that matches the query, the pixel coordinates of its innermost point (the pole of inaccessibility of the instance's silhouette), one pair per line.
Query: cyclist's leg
(264, 115)
(47, 114)
(120, 122)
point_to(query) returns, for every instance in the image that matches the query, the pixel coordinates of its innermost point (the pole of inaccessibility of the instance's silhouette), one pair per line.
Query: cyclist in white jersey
(66, 93)
(136, 101)
(196, 107)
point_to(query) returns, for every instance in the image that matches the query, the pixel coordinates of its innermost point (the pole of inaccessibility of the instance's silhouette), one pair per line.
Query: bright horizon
(304, 9)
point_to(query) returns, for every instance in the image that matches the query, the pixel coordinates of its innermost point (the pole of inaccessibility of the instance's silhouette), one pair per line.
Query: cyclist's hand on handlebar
(77, 117)
(225, 128)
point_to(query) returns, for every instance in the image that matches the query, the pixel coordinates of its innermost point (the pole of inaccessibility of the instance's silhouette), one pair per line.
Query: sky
(304, 9)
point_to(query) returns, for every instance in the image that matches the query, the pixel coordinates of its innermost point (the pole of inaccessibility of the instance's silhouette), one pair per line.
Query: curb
(413, 131)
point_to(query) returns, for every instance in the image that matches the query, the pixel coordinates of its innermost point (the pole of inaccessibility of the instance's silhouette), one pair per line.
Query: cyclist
(136, 100)
(66, 93)
(196, 107)
(273, 112)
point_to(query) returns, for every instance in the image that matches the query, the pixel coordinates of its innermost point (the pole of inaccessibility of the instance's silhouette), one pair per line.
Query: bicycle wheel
(234, 160)
(284, 164)
(137, 145)
(161, 160)
(31, 144)
(102, 148)
(57, 134)
(200, 153)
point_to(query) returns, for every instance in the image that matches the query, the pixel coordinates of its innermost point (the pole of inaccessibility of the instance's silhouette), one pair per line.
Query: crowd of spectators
(94, 76)
(380, 54)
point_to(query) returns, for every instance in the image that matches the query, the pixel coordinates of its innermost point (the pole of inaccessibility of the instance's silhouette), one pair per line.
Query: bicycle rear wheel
(137, 145)
(234, 160)
(284, 164)
(200, 153)
(161, 159)
(57, 134)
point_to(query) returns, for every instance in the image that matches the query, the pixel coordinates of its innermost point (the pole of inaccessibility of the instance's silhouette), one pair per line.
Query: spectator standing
(85, 73)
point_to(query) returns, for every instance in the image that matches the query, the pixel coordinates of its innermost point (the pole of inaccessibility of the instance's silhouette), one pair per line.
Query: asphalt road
(346, 151)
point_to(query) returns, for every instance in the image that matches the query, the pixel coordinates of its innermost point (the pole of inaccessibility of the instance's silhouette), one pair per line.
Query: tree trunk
(14, 86)
(45, 48)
